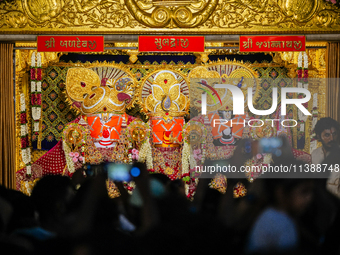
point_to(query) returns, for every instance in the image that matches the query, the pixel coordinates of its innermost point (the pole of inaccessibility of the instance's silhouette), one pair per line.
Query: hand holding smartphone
(270, 145)
(122, 172)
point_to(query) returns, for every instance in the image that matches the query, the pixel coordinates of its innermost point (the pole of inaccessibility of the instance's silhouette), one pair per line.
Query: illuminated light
(135, 171)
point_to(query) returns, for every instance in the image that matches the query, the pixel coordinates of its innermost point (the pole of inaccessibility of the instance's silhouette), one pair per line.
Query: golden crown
(100, 89)
(165, 93)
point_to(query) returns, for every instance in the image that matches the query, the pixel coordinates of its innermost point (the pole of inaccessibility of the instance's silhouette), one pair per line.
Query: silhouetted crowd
(76, 216)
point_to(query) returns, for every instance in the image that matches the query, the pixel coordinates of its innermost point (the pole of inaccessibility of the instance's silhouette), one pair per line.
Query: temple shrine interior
(226, 110)
(122, 96)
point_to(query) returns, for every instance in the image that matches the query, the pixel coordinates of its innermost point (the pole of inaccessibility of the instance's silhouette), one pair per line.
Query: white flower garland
(36, 115)
(25, 152)
(38, 59)
(313, 143)
(36, 90)
(33, 59)
(23, 130)
(305, 66)
(186, 162)
(145, 154)
(305, 60)
(22, 103)
(300, 60)
(267, 159)
(33, 86)
(26, 155)
(315, 110)
(304, 56)
(36, 127)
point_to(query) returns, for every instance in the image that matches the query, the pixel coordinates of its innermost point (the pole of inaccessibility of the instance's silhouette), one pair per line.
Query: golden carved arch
(47, 9)
(183, 14)
(173, 16)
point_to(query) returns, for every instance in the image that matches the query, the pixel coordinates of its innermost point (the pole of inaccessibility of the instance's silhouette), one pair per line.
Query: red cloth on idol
(53, 162)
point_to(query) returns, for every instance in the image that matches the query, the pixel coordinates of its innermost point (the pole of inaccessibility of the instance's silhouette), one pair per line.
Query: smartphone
(270, 145)
(119, 172)
(122, 172)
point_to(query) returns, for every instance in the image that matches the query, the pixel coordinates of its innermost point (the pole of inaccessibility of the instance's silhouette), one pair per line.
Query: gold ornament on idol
(162, 94)
(92, 94)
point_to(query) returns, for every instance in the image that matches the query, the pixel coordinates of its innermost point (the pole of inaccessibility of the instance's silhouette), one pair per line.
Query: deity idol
(165, 99)
(103, 132)
(217, 139)
(221, 136)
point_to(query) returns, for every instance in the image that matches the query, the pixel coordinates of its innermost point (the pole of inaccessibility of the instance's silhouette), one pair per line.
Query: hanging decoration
(220, 183)
(145, 155)
(260, 161)
(138, 134)
(193, 154)
(36, 76)
(145, 149)
(25, 149)
(239, 190)
(302, 83)
(313, 143)
(74, 140)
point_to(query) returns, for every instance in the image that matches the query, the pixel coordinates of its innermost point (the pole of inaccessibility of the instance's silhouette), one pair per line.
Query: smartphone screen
(270, 145)
(119, 172)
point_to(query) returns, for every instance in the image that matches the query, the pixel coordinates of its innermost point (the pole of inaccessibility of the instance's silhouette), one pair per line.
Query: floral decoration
(145, 155)
(74, 137)
(259, 161)
(335, 2)
(135, 154)
(24, 141)
(36, 76)
(193, 154)
(302, 83)
(313, 143)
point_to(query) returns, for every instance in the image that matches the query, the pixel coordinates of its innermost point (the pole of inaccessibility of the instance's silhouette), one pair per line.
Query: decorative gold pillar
(333, 85)
(7, 117)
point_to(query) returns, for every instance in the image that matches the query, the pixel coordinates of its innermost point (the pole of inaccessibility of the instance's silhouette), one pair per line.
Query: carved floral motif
(195, 16)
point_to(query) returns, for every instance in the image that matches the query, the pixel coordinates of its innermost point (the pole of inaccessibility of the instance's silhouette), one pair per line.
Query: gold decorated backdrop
(277, 71)
(177, 16)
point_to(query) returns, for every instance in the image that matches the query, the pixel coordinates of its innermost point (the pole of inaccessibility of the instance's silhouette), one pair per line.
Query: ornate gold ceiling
(176, 16)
